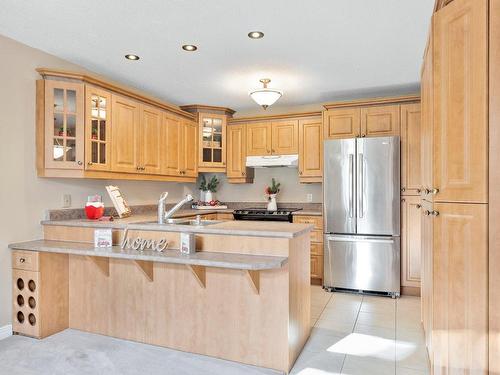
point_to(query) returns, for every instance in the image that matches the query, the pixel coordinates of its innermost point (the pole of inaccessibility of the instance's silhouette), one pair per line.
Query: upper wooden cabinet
(460, 102)
(212, 142)
(189, 149)
(259, 137)
(311, 150)
(63, 127)
(380, 121)
(237, 172)
(125, 140)
(172, 137)
(411, 181)
(285, 137)
(97, 128)
(342, 123)
(150, 140)
(426, 146)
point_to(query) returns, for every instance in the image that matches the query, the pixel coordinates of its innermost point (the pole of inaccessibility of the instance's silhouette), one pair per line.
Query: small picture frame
(103, 238)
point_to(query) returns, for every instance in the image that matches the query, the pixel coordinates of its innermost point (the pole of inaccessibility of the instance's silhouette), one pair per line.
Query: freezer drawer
(362, 263)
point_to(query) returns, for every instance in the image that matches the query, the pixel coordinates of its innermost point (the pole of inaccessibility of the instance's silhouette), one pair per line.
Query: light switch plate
(309, 198)
(66, 200)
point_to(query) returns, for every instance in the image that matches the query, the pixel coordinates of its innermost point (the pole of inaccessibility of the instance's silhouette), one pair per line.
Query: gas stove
(261, 214)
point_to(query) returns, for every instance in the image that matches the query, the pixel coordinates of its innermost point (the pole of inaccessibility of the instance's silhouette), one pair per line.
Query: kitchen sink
(190, 222)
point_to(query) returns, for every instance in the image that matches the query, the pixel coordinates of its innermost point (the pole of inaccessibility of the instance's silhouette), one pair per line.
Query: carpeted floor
(73, 352)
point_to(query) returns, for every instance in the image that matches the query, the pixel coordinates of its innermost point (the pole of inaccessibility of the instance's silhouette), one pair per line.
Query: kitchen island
(244, 296)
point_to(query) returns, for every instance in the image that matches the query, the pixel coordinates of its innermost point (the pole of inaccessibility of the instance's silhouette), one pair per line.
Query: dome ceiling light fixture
(265, 96)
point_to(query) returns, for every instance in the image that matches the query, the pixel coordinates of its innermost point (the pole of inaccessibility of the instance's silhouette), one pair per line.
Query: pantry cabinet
(310, 150)
(411, 181)
(97, 129)
(237, 172)
(63, 127)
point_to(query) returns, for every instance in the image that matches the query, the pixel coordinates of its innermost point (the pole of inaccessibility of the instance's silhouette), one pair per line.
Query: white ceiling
(316, 50)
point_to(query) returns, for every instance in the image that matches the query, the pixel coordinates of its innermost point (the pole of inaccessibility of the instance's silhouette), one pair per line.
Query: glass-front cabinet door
(97, 128)
(212, 148)
(64, 125)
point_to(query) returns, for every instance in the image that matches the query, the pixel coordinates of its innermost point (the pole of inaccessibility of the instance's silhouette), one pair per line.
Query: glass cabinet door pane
(58, 100)
(217, 140)
(58, 124)
(71, 101)
(102, 130)
(102, 102)
(70, 126)
(58, 149)
(217, 125)
(217, 155)
(94, 129)
(102, 153)
(94, 156)
(70, 150)
(207, 155)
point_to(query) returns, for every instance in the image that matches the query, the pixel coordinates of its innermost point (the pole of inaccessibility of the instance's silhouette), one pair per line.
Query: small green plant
(210, 185)
(274, 188)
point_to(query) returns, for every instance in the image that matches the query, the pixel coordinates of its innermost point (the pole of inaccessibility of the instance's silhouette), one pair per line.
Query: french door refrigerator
(361, 191)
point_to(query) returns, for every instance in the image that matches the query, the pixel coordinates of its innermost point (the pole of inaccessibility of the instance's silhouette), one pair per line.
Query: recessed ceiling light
(131, 57)
(256, 35)
(189, 47)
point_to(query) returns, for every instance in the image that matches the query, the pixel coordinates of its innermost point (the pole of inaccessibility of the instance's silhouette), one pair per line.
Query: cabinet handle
(363, 135)
(268, 151)
(243, 174)
(419, 206)
(403, 200)
(273, 150)
(427, 191)
(300, 173)
(90, 163)
(403, 190)
(22, 260)
(79, 162)
(427, 212)
(435, 191)
(419, 191)
(435, 213)
(137, 168)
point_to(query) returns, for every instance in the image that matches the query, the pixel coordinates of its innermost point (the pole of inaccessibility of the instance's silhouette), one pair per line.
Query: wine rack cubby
(39, 293)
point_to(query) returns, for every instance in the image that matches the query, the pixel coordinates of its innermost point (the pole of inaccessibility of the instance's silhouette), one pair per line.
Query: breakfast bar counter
(243, 296)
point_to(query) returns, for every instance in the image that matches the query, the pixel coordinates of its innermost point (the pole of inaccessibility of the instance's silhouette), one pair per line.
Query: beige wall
(24, 197)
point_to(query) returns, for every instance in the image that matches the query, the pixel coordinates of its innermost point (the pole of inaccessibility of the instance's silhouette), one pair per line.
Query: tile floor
(363, 335)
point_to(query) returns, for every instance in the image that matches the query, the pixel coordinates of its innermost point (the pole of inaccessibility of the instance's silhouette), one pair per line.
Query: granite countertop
(201, 258)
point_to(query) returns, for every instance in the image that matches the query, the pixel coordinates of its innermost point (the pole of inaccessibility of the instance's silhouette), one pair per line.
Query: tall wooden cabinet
(311, 150)
(237, 172)
(459, 132)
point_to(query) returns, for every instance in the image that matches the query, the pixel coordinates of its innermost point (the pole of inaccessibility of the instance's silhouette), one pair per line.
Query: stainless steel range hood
(290, 161)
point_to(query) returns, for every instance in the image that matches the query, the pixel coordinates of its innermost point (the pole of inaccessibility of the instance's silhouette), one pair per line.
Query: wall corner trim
(5, 331)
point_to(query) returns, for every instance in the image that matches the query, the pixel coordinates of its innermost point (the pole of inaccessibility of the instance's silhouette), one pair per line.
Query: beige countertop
(201, 258)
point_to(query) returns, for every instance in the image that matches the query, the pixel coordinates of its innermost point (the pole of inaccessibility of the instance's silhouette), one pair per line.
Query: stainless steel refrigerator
(361, 191)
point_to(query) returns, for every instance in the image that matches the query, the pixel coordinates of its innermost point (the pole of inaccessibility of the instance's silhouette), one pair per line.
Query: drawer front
(316, 249)
(317, 236)
(316, 267)
(317, 221)
(25, 260)
(224, 216)
(209, 217)
(25, 302)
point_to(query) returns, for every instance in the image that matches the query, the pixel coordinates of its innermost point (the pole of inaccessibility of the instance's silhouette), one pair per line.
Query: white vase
(202, 196)
(208, 196)
(271, 204)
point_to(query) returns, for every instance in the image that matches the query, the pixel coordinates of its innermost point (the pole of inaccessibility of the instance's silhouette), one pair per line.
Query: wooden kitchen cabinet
(125, 141)
(317, 268)
(316, 247)
(172, 141)
(236, 171)
(310, 150)
(97, 129)
(189, 149)
(426, 275)
(411, 181)
(259, 139)
(150, 140)
(460, 170)
(380, 121)
(460, 288)
(63, 126)
(411, 210)
(285, 137)
(212, 142)
(342, 123)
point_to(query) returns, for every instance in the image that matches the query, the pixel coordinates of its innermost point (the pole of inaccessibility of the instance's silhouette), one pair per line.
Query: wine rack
(26, 287)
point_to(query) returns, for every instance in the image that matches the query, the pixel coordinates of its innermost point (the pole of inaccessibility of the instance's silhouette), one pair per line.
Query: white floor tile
(312, 363)
(384, 320)
(339, 315)
(352, 306)
(321, 340)
(378, 304)
(362, 366)
(386, 333)
(339, 327)
(411, 355)
(409, 371)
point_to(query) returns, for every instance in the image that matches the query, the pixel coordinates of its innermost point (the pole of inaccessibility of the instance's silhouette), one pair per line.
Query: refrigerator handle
(351, 185)
(361, 189)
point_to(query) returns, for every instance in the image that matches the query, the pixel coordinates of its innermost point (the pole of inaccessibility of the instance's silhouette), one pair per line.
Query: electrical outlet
(309, 198)
(66, 200)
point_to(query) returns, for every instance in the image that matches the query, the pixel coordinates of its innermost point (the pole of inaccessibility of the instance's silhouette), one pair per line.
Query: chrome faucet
(161, 207)
(173, 210)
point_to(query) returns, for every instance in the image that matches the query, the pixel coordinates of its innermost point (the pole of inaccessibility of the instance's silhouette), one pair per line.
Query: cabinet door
(427, 125)
(285, 137)
(426, 289)
(460, 291)
(190, 154)
(259, 139)
(172, 139)
(317, 267)
(311, 150)
(342, 123)
(410, 149)
(410, 241)
(460, 102)
(125, 135)
(380, 121)
(212, 143)
(64, 125)
(150, 137)
(236, 155)
(97, 129)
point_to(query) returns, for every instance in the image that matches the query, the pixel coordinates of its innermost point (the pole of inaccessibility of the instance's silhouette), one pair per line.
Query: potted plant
(207, 188)
(272, 191)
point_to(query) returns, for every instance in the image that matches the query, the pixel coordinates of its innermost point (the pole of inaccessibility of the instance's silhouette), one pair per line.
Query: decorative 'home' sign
(142, 244)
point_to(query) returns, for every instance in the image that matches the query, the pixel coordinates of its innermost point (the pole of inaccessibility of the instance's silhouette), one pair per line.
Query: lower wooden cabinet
(316, 245)
(411, 209)
(39, 293)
